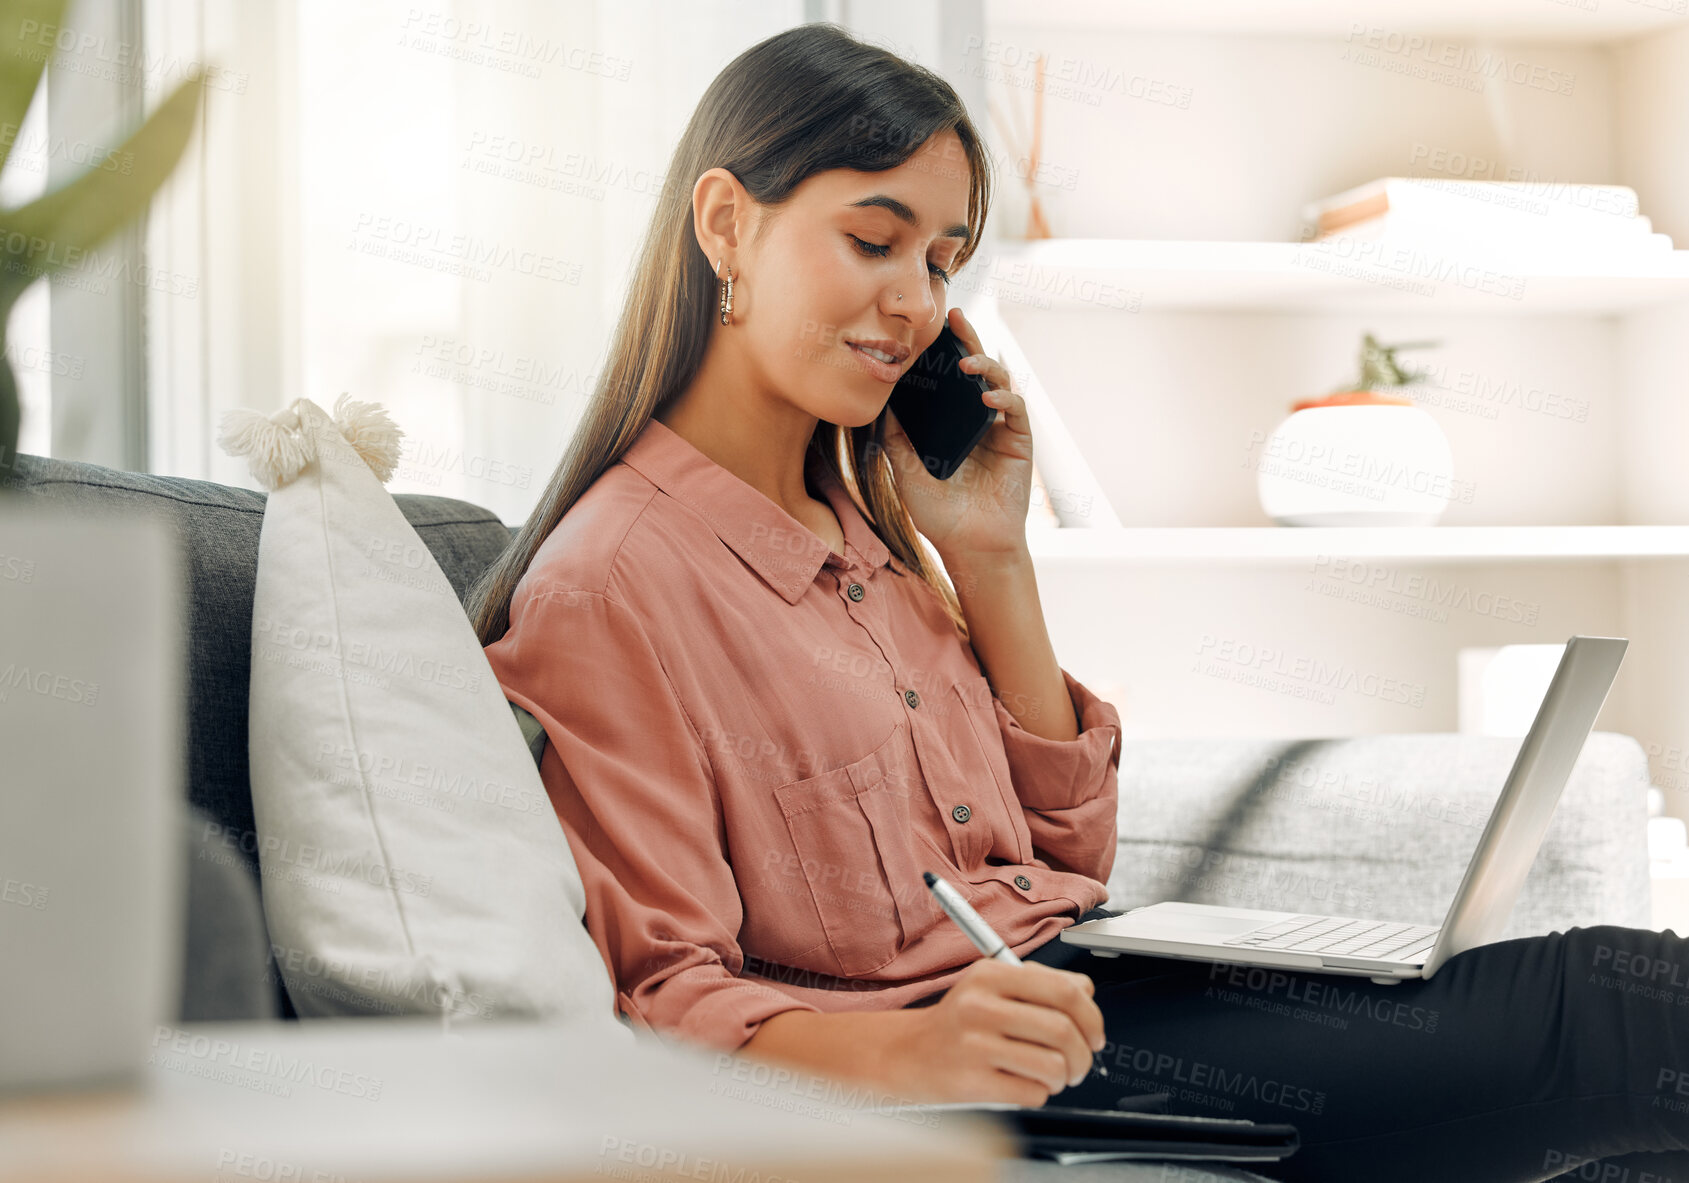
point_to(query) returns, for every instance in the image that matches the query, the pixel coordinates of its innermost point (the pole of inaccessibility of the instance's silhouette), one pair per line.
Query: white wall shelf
(1533, 20)
(1143, 275)
(1176, 318)
(1407, 543)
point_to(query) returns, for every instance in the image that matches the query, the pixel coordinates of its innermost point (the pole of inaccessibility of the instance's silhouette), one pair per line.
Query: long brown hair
(800, 102)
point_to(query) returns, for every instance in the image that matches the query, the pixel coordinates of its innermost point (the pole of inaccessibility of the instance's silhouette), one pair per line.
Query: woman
(769, 709)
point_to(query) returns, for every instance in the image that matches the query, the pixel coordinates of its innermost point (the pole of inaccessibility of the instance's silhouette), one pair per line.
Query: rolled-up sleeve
(631, 782)
(1069, 790)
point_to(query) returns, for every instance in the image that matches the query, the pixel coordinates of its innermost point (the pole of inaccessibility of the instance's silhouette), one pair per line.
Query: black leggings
(1564, 1055)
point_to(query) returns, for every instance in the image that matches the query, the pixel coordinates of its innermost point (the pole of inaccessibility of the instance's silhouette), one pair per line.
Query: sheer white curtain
(432, 206)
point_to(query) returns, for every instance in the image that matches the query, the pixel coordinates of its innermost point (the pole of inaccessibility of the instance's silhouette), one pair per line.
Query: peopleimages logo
(1307, 997)
(1162, 1066)
(1368, 471)
(1310, 783)
(1642, 966)
(45, 682)
(1442, 60)
(1377, 260)
(361, 653)
(407, 241)
(1068, 77)
(23, 893)
(225, 1059)
(1312, 671)
(484, 43)
(124, 62)
(274, 852)
(379, 987)
(451, 784)
(1373, 578)
(96, 157)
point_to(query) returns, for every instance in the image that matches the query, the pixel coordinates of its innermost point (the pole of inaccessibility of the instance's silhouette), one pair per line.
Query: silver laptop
(1384, 951)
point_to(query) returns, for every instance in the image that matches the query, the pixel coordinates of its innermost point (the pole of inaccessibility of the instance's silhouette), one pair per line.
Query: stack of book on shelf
(1508, 219)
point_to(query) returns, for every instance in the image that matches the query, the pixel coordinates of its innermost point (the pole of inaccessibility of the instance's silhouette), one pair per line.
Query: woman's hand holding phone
(981, 510)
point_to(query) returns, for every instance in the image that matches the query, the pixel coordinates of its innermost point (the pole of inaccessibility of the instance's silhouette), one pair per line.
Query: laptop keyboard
(1341, 937)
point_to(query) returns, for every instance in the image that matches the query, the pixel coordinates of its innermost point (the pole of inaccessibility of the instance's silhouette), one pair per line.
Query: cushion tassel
(278, 448)
(275, 446)
(371, 432)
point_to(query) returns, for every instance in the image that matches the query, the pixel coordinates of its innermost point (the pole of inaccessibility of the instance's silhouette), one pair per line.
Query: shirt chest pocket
(853, 832)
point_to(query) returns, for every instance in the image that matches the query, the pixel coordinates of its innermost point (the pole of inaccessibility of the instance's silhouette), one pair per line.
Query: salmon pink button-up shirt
(756, 745)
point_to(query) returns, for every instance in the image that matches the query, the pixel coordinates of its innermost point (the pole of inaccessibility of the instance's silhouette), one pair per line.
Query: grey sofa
(1367, 826)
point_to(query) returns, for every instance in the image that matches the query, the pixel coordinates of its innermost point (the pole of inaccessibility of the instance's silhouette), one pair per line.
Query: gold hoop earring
(726, 292)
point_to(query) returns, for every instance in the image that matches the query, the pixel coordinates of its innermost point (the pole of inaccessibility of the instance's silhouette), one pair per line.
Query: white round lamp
(1361, 456)
(1380, 464)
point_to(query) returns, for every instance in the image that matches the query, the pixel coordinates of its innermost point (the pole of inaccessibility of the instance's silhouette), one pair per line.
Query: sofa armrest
(1377, 826)
(227, 974)
(532, 733)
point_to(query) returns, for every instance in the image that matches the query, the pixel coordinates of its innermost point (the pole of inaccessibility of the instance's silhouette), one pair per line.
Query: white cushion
(411, 860)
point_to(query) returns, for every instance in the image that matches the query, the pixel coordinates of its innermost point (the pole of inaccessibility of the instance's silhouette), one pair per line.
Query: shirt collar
(779, 548)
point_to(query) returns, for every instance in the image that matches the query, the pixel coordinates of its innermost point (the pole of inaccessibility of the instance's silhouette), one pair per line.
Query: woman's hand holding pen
(1011, 1033)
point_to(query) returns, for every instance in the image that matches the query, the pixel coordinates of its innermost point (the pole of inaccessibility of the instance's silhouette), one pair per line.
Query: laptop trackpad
(1195, 924)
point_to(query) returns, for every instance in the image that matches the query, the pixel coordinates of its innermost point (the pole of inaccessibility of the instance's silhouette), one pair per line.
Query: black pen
(985, 939)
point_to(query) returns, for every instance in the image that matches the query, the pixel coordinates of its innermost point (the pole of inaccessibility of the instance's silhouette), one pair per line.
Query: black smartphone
(938, 404)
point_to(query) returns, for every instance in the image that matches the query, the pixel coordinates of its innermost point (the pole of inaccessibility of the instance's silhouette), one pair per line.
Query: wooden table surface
(348, 1100)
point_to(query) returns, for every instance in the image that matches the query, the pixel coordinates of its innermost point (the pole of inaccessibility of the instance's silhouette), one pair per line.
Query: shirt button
(913, 699)
(1022, 882)
(961, 813)
(854, 591)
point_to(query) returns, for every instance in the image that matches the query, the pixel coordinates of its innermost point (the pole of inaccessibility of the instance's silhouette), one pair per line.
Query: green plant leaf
(22, 59)
(10, 417)
(89, 209)
(1379, 368)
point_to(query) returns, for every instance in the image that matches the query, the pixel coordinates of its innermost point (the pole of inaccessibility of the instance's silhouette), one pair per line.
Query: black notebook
(1139, 1128)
